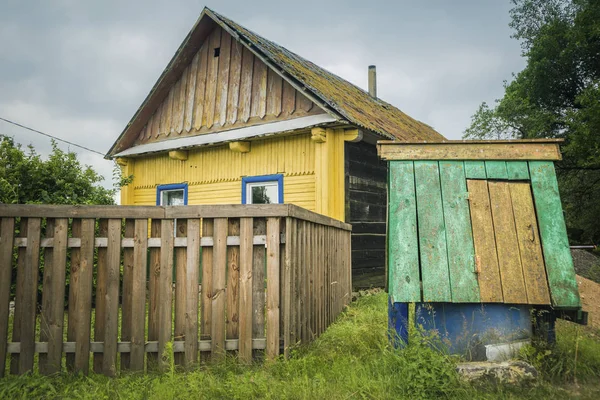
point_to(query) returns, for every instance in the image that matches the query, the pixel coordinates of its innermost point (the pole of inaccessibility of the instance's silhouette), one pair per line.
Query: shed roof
(340, 98)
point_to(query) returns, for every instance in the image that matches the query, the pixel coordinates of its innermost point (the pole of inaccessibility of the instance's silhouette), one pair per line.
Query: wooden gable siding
(228, 91)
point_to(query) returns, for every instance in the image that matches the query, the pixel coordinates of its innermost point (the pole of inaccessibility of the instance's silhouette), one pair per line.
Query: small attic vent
(217, 52)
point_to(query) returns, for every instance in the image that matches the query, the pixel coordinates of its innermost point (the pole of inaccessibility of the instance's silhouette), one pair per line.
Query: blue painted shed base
(466, 329)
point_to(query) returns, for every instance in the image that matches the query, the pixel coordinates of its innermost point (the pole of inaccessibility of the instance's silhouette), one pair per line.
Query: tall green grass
(351, 360)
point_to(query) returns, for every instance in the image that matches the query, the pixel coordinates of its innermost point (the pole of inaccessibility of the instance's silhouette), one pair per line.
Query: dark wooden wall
(366, 202)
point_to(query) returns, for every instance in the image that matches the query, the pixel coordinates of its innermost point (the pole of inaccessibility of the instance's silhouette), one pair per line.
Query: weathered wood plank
(26, 296)
(153, 286)
(138, 296)
(179, 121)
(100, 315)
(7, 231)
(259, 89)
(530, 246)
(128, 280)
(223, 78)
(233, 281)
(68, 211)
(207, 279)
(219, 297)
(471, 150)
(181, 286)
(245, 104)
(200, 95)
(403, 248)
(245, 303)
(111, 321)
(82, 279)
(290, 231)
(191, 299)
(274, 93)
(459, 236)
(559, 264)
(432, 233)
(507, 245)
(303, 103)
(165, 290)
(496, 170)
(52, 321)
(74, 284)
(258, 282)
(211, 78)
(191, 93)
(288, 99)
(475, 170)
(486, 258)
(168, 111)
(235, 75)
(517, 170)
(273, 281)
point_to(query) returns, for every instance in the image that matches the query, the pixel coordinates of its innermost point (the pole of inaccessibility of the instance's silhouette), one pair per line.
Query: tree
(556, 95)
(61, 179)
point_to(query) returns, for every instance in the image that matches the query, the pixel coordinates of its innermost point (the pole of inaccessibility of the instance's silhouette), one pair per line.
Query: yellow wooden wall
(214, 174)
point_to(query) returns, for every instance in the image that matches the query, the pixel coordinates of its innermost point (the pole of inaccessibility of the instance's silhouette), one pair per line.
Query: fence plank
(111, 312)
(165, 290)
(219, 299)
(100, 315)
(154, 274)
(26, 296)
(245, 303)
(128, 279)
(530, 247)
(138, 296)
(191, 300)
(46, 295)
(180, 290)
(72, 315)
(303, 292)
(258, 282)
(507, 245)
(286, 284)
(459, 233)
(81, 290)
(233, 279)
(273, 288)
(51, 329)
(7, 231)
(207, 271)
(486, 257)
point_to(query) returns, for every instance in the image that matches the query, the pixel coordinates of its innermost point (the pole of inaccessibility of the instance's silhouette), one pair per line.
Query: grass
(352, 360)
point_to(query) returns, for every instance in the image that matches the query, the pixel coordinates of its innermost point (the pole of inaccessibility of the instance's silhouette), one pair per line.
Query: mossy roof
(350, 101)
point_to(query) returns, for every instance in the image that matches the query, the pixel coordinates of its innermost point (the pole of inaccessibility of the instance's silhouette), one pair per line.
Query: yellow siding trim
(127, 168)
(329, 175)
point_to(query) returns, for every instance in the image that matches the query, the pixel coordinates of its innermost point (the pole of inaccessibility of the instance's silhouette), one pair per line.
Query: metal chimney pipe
(373, 80)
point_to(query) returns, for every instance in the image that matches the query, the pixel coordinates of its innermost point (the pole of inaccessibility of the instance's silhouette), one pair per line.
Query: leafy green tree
(61, 179)
(556, 95)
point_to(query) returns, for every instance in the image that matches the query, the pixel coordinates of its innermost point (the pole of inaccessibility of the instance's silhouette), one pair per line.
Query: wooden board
(258, 282)
(432, 234)
(211, 78)
(111, 316)
(82, 279)
(219, 299)
(245, 303)
(200, 95)
(507, 245)
(207, 278)
(484, 240)
(223, 79)
(165, 290)
(403, 250)
(459, 237)
(180, 290)
(101, 295)
(191, 299)
(273, 283)
(475, 170)
(496, 170)
(128, 281)
(138, 296)
(153, 297)
(557, 255)
(517, 170)
(530, 246)
(233, 282)
(471, 150)
(7, 231)
(235, 75)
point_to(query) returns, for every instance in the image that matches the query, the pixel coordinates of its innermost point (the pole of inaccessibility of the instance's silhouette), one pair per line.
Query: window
(172, 195)
(266, 189)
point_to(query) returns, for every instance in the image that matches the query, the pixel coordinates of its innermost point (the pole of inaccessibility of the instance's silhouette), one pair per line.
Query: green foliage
(556, 95)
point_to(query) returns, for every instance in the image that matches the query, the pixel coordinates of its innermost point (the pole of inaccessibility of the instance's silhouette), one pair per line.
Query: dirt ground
(589, 292)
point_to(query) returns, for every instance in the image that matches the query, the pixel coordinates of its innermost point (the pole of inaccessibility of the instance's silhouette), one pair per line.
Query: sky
(79, 69)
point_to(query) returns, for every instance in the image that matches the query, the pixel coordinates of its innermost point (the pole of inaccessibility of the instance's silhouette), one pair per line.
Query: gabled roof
(338, 97)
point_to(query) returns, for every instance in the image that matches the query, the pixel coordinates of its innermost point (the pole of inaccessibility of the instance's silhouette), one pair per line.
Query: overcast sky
(80, 69)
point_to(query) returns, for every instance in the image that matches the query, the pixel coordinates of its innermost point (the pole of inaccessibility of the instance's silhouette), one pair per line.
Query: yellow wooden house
(235, 118)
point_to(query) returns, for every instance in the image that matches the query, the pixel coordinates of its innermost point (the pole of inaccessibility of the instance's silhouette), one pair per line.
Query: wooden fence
(271, 276)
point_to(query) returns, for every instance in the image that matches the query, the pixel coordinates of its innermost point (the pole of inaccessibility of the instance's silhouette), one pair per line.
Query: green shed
(477, 223)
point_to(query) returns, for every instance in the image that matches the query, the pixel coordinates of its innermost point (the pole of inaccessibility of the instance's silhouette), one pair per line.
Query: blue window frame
(262, 189)
(174, 194)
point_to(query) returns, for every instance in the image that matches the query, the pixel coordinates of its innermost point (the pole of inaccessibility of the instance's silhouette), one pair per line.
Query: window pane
(172, 198)
(265, 194)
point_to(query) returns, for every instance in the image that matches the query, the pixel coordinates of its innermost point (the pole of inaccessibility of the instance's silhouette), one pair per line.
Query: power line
(50, 136)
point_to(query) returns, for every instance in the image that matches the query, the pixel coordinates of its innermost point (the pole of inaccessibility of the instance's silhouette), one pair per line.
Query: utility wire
(50, 136)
